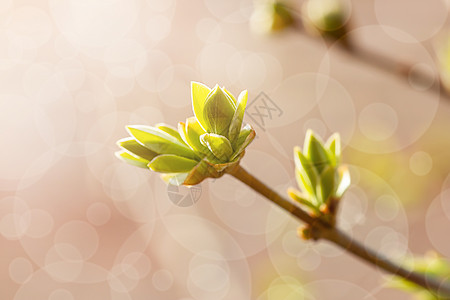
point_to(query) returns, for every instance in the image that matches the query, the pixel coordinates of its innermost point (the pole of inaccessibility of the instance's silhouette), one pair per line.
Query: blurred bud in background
(327, 18)
(285, 287)
(431, 264)
(443, 55)
(271, 16)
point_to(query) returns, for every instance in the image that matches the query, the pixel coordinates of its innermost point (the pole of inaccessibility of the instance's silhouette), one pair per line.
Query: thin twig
(406, 71)
(341, 239)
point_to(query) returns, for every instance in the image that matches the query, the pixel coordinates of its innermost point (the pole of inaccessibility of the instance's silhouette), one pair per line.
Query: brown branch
(341, 239)
(404, 71)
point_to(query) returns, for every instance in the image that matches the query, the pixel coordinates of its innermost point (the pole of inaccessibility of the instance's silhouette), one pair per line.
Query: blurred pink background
(77, 223)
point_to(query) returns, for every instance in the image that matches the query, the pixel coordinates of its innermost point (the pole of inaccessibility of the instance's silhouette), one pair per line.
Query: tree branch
(404, 71)
(340, 238)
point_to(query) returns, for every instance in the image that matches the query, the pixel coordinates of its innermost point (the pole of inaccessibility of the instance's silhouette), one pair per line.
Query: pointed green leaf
(132, 146)
(218, 112)
(219, 145)
(333, 145)
(308, 172)
(160, 141)
(170, 130)
(170, 163)
(230, 94)
(344, 181)
(315, 152)
(193, 133)
(306, 187)
(326, 187)
(236, 122)
(131, 159)
(246, 136)
(199, 92)
(302, 199)
(182, 132)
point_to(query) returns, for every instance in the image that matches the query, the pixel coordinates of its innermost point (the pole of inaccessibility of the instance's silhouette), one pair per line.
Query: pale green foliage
(203, 146)
(321, 180)
(432, 265)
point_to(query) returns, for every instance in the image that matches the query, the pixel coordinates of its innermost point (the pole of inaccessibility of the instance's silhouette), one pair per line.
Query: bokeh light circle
(378, 121)
(98, 213)
(61, 294)
(96, 25)
(30, 22)
(420, 163)
(81, 235)
(209, 276)
(20, 270)
(208, 30)
(162, 280)
(387, 13)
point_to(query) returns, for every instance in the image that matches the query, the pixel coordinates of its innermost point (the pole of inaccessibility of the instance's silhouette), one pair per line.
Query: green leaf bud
(218, 111)
(201, 147)
(315, 151)
(219, 145)
(320, 178)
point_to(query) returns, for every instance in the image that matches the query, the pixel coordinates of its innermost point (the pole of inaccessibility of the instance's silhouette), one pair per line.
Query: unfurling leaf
(159, 141)
(132, 159)
(200, 148)
(315, 151)
(236, 122)
(218, 111)
(132, 146)
(199, 92)
(219, 145)
(169, 163)
(320, 178)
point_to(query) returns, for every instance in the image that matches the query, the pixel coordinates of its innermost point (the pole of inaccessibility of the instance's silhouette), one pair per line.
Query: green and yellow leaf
(236, 122)
(159, 141)
(218, 112)
(132, 159)
(199, 92)
(132, 146)
(219, 146)
(170, 163)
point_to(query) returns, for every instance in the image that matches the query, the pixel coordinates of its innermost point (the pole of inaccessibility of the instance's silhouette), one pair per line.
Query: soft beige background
(76, 223)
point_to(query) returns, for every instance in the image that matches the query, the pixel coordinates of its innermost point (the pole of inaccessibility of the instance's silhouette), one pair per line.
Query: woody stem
(340, 238)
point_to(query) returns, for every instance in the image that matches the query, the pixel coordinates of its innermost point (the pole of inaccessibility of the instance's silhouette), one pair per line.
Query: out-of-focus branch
(404, 71)
(323, 23)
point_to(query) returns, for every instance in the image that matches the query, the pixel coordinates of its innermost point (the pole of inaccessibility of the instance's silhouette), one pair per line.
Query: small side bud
(327, 18)
(270, 16)
(308, 232)
(304, 232)
(321, 179)
(442, 49)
